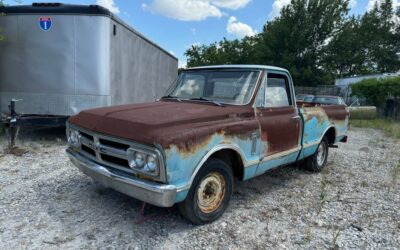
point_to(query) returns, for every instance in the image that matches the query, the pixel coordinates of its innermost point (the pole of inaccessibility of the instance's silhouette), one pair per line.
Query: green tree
(381, 44)
(224, 52)
(298, 39)
(366, 44)
(346, 52)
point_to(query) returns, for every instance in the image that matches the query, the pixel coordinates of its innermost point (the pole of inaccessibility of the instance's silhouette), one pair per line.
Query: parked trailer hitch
(14, 121)
(11, 121)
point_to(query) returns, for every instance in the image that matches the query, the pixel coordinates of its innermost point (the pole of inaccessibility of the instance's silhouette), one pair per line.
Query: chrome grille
(105, 150)
(113, 152)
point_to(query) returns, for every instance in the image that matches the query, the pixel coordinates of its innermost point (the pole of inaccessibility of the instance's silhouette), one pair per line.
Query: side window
(277, 92)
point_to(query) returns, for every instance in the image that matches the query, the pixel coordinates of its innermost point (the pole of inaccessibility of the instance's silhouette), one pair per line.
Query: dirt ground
(45, 202)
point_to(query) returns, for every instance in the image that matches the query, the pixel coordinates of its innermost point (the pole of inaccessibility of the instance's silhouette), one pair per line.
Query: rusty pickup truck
(214, 124)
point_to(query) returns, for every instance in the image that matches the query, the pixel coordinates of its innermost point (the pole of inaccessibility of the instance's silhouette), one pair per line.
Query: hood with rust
(165, 122)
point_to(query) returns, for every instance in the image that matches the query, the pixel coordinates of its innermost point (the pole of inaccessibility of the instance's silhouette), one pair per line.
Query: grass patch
(363, 113)
(389, 127)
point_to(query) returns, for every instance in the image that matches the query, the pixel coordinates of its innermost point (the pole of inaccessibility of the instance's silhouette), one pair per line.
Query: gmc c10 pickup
(215, 124)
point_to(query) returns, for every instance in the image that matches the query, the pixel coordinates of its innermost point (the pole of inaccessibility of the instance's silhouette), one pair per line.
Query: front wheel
(317, 161)
(210, 193)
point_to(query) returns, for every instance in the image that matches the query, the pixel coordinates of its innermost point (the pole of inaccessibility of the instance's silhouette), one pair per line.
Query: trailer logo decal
(45, 23)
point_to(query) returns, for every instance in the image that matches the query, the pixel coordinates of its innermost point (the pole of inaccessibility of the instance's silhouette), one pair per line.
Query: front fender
(183, 163)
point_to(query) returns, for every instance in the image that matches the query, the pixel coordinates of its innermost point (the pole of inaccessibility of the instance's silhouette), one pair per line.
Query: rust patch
(191, 146)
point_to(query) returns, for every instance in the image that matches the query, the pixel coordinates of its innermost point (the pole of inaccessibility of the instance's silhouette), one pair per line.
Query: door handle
(296, 117)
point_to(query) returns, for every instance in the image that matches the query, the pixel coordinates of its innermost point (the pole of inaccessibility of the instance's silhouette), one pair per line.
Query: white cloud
(184, 10)
(193, 31)
(192, 10)
(109, 4)
(239, 29)
(230, 4)
(277, 7)
(352, 3)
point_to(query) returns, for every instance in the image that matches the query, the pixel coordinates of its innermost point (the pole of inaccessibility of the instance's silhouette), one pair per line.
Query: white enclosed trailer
(60, 59)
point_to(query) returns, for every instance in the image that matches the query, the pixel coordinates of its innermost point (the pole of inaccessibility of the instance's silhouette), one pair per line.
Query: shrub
(377, 91)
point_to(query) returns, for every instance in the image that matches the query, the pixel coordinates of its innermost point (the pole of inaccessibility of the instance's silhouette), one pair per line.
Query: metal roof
(56, 8)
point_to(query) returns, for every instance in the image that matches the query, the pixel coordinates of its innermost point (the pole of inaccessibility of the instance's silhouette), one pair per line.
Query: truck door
(279, 121)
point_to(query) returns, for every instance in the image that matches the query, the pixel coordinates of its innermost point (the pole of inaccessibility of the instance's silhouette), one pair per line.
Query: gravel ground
(354, 203)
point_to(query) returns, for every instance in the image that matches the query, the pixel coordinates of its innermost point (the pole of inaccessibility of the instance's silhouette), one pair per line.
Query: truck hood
(162, 122)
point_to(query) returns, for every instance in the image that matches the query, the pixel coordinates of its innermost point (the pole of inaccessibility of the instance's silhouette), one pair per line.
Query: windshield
(221, 86)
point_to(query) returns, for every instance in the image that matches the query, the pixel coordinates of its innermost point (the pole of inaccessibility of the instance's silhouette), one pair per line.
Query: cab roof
(240, 66)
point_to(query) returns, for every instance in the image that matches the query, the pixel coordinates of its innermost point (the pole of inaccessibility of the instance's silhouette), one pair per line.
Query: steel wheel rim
(321, 154)
(211, 192)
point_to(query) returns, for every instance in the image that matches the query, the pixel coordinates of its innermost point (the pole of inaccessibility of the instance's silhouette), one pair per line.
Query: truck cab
(214, 124)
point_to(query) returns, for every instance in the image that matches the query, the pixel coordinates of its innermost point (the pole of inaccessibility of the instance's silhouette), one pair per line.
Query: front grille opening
(114, 144)
(115, 160)
(88, 150)
(87, 136)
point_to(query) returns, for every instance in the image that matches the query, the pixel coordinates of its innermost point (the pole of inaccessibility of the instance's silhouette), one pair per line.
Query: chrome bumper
(153, 193)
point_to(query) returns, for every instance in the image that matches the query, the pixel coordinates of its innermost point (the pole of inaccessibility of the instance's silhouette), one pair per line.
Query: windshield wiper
(206, 100)
(171, 97)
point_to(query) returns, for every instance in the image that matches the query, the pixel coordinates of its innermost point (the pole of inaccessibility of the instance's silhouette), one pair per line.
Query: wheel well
(331, 136)
(233, 159)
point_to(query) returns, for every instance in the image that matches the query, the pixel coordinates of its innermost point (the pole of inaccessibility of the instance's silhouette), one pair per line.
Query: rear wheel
(210, 193)
(318, 160)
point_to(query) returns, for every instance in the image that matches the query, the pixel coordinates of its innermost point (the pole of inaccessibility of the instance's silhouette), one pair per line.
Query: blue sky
(177, 24)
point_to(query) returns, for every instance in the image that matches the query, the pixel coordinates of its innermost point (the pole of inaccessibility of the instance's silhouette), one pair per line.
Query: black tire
(214, 171)
(316, 162)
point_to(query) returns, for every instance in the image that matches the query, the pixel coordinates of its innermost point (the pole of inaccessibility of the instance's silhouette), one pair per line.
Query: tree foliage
(297, 39)
(377, 91)
(317, 41)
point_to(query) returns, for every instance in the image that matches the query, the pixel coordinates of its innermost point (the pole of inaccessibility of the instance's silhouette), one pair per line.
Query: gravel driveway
(45, 202)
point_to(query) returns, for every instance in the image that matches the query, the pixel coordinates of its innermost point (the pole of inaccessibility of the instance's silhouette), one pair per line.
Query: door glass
(277, 93)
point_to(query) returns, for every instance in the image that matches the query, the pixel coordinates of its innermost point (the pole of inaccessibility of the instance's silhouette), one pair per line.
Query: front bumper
(153, 193)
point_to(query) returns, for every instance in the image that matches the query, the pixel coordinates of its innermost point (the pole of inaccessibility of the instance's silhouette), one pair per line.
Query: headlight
(143, 162)
(139, 160)
(73, 138)
(151, 164)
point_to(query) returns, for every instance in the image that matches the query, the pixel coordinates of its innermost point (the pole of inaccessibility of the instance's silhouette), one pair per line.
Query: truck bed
(318, 120)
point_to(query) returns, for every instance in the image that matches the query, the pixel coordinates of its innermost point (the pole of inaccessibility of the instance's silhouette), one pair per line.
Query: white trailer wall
(140, 70)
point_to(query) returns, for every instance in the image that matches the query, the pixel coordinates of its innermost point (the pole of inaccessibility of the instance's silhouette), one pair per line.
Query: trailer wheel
(210, 193)
(317, 161)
